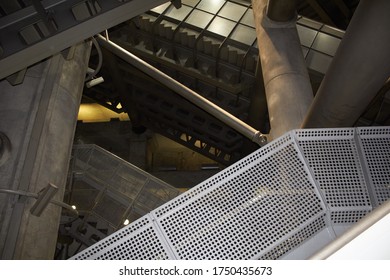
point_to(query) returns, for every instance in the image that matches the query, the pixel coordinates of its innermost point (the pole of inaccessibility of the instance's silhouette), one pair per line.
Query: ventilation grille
(293, 190)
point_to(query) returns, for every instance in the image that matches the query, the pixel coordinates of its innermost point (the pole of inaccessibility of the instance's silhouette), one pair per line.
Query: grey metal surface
(279, 202)
(334, 160)
(375, 148)
(130, 243)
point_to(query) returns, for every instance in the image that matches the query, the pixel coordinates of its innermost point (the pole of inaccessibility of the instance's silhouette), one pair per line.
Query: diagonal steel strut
(211, 108)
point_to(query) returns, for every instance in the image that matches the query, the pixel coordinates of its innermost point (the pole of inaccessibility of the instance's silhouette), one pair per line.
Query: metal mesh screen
(109, 193)
(120, 184)
(298, 189)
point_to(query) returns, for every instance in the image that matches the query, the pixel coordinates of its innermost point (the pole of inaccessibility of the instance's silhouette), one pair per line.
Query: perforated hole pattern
(265, 205)
(345, 217)
(296, 239)
(376, 149)
(267, 201)
(336, 168)
(144, 245)
(223, 175)
(90, 252)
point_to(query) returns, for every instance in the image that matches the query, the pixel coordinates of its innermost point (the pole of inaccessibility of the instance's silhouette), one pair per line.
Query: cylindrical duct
(286, 80)
(358, 71)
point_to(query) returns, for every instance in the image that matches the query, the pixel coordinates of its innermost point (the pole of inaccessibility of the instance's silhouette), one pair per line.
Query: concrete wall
(39, 118)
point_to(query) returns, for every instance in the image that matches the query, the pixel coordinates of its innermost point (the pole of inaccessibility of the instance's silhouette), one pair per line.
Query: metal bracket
(44, 198)
(17, 78)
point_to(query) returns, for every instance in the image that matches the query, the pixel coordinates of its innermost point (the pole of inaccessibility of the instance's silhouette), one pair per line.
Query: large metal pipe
(224, 116)
(281, 10)
(358, 71)
(286, 80)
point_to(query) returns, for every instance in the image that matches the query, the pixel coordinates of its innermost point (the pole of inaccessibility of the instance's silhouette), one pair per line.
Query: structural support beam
(208, 106)
(286, 80)
(25, 41)
(358, 71)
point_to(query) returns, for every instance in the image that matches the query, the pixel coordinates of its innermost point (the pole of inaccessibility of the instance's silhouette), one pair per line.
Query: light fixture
(126, 222)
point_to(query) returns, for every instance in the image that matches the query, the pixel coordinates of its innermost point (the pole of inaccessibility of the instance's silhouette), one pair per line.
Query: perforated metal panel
(375, 143)
(245, 210)
(333, 157)
(139, 240)
(302, 187)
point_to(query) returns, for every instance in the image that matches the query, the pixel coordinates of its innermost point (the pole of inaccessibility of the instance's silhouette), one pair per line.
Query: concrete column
(39, 118)
(286, 80)
(359, 69)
